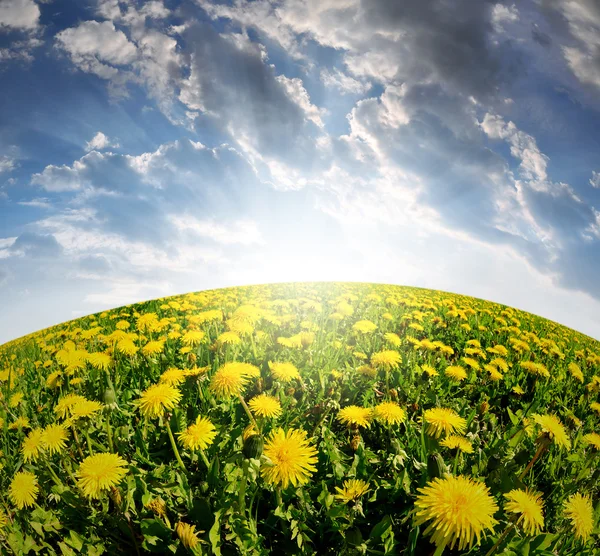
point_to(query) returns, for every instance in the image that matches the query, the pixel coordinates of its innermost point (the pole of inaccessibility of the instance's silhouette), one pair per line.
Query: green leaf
(378, 531)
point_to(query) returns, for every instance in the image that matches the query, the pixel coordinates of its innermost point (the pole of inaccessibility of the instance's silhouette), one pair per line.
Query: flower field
(304, 418)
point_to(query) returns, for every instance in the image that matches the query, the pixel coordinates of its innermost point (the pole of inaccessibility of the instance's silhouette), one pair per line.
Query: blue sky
(155, 148)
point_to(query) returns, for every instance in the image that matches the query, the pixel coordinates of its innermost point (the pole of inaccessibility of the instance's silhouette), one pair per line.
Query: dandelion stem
(109, 434)
(542, 447)
(502, 537)
(204, 458)
(242, 494)
(53, 474)
(76, 437)
(174, 445)
(247, 410)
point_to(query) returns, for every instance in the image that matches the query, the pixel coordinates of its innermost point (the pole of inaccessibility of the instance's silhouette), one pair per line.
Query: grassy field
(306, 418)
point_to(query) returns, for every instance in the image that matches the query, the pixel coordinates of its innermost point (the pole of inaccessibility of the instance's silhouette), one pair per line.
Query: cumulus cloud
(595, 179)
(344, 83)
(22, 15)
(100, 142)
(7, 164)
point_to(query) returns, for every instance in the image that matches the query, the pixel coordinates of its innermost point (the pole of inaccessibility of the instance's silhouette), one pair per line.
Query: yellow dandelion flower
(64, 405)
(353, 489)
(157, 398)
(101, 361)
(443, 421)
(595, 406)
(429, 370)
(355, 415)
(495, 374)
(265, 406)
(126, 347)
(470, 362)
(551, 425)
(54, 438)
(455, 442)
(392, 339)
(360, 355)
(16, 399)
(364, 327)
(284, 372)
(388, 359)
(200, 435)
(99, 472)
(518, 390)
(187, 535)
(530, 507)
(229, 338)
(19, 423)
(228, 381)
(461, 511)
(290, 458)
(593, 438)
(367, 370)
(173, 376)
(579, 510)
(192, 337)
(575, 371)
(153, 347)
(54, 379)
(456, 372)
(389, 412)
(3, 519)
(33, 445)
(85, 408)
(23, 489)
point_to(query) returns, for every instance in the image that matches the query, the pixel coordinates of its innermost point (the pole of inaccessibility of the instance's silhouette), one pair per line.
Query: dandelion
(200, 435)
(456, 372)
(85, 408)
(388, 359)
(290, 458)
(461, 511)
(265, 406)
(593, 439)
(518, 390)
(23, 489)
(284, 372)
(54, 438)
(470, 362)
(595, 406)
(442, 420)
(500, 364)
(173, 376)
(228, 382)
(187, 535)
(579, 510)
(16, 399)
(529, 506)
(355, 415)
(229, 338)
(192, 338)
(389, 413)
(535, 368)
(551, 425)
(353, 489)
(100, 472)
(364, 326)
(392, 339)
(575, 371)
(429, 370)
(157, 398)
(19, 423)
(460, 443)
(64, 405)
(153, 347)
(100, 361)
(33, 445)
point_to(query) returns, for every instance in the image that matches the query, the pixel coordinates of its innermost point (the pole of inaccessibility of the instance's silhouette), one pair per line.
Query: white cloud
(59, 178)
(296, 91)
(344, 83)
(97, 47)
(7, 164)
(502, 14)
(99, 142)
(19, 14)
(38, 202)
(243, 232)
(595, 179)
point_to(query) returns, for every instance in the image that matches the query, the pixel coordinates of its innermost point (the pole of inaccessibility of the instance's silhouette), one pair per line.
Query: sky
(156, 148)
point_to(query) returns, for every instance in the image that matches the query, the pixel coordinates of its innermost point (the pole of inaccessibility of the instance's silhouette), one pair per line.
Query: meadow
(302, 418)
